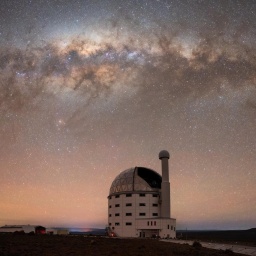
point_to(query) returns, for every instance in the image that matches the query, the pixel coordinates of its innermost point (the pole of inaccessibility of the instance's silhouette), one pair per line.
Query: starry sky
(91, 88)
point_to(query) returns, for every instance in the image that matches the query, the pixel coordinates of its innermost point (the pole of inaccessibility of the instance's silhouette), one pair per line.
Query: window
(168, 226)
(117, 205)
(128, 195)
(154, 223)
(117, 214)
(128, 214)
(174, 228)
(110, 197)
(154, 205)
(110, 206)
(142, 195)
(109, 215)
(117, 224)
(109, 224)
(151, 223)
(117, 196)
(142, 204)
(129, 204)
(128, 223)
(155, 214)
(148, 223)
(171, 227)
(155, 195)
(142, 214)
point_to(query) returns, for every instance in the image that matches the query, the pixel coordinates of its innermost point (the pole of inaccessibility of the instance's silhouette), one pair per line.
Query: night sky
(91, 88)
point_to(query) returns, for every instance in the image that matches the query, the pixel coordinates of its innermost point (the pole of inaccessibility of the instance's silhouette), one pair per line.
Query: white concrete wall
(135, 210)
(165, 227)
(26, 229)
(148, 224)
(9, 230)
(168, 228)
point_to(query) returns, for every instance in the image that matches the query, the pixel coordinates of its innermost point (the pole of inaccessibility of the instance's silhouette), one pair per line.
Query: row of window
(172, 228)
(150, 223)
(130, 214)
(130, 195)
(153, 223)
(130, 204)
(143, 204)
(118, 224)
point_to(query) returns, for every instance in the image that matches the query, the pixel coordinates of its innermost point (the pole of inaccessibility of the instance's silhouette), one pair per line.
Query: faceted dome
(136, 179)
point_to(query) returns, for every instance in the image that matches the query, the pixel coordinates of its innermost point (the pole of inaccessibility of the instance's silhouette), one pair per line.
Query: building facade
(23, 229)
(139, 203)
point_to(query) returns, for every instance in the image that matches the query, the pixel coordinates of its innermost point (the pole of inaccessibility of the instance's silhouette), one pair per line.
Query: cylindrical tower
(165, 187)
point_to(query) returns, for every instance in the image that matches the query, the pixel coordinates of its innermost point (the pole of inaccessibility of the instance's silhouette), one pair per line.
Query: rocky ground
(14, 245)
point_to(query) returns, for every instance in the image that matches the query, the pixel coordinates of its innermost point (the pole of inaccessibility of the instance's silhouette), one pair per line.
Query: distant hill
(92, 231)
(83, 231)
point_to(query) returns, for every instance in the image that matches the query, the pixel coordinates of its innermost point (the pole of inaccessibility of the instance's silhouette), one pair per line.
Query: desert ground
(14, 245)
(242, 237)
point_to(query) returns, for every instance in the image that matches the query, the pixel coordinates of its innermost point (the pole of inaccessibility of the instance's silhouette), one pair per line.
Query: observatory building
(139, 203)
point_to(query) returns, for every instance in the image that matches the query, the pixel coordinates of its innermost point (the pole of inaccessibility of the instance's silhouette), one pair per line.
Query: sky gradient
(91, 88)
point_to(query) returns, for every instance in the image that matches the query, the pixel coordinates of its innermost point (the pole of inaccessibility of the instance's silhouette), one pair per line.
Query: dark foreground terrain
(243, 237)
(15, 245)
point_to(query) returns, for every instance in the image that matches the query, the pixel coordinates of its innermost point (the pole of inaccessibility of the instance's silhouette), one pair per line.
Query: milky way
(90, 89)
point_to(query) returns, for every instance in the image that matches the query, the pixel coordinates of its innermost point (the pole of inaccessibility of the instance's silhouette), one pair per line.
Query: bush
(196, 244)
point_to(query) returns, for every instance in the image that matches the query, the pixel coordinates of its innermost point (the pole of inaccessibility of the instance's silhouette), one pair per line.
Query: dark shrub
(196, 244)
(93, 242)
(229, 251)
